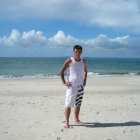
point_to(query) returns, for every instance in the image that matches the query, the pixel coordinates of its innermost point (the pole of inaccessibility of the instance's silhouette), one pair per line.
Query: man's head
(78, 47)
(77, 50)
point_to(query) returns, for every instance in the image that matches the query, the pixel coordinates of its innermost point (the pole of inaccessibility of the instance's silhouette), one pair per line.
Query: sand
(33, 109)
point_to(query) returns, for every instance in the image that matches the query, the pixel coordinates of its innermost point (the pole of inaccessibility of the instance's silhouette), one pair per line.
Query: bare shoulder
(67, 62)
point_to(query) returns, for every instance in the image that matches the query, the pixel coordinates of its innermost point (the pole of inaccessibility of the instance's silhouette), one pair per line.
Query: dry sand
(33, 109)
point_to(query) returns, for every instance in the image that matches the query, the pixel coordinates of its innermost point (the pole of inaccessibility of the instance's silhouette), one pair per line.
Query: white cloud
(26, 39)
(35, 42)
(60, 39)
(121, 13)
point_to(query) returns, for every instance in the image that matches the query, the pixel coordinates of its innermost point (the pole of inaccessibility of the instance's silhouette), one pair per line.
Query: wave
(113, 73)
(45, 76)
(36, 76)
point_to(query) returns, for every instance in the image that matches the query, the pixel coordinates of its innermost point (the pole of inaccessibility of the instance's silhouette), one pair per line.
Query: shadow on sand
(96, 124)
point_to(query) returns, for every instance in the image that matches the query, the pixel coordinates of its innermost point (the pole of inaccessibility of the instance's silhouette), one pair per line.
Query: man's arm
(85, 72)
(64, 67)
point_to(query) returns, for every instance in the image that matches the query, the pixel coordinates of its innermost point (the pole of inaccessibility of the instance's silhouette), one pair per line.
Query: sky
(50, 28)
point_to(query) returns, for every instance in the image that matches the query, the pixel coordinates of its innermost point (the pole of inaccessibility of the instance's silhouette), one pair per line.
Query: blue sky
(48, 28)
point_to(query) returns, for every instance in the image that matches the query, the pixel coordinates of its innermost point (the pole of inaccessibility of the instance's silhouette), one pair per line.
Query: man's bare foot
(66, 124)
(79, 122)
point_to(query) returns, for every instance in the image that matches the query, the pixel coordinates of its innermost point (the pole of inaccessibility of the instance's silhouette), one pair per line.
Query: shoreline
(48, 76)
(58, 76)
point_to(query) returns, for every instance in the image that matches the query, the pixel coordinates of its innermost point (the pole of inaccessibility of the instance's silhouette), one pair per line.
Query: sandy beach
(33, 109)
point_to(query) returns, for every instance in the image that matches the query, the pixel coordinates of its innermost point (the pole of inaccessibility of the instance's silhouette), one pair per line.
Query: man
(76, 80)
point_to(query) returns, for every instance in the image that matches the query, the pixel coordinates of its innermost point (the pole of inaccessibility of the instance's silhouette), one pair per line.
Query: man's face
(77, 52)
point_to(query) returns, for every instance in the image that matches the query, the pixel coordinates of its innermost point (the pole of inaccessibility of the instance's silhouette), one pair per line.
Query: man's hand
(68, 84)
(84, 83)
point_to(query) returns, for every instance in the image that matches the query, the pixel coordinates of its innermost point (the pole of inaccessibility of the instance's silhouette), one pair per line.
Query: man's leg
(76, 113)
(67, 115)
(78, 102)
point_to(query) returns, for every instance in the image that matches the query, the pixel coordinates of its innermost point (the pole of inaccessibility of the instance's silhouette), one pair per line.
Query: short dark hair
(79, 47)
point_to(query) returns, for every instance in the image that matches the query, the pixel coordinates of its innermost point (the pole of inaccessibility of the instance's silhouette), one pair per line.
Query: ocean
(18, 67)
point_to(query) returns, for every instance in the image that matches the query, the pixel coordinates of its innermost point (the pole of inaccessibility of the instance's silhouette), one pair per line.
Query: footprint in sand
(45, 96)
(5, 132)
(98, 112)
(124, 132)
(71, 127)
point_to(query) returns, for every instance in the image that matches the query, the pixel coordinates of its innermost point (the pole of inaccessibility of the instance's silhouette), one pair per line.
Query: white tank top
(76, 70)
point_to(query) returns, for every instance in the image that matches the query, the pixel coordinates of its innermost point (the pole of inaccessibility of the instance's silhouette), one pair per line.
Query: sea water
(18, 67)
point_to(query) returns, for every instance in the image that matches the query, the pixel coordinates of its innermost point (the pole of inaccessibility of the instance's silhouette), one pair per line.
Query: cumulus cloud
(107, 13)
(26, 39)
(60, 39)
(102, 45)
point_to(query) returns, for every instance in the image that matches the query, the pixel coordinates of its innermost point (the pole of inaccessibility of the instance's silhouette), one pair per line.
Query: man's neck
(77, 58)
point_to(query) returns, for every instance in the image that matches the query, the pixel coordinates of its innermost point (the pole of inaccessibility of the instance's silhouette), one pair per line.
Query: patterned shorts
(74, 96)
